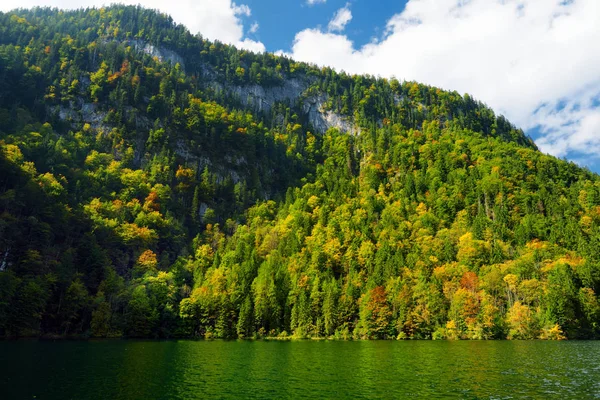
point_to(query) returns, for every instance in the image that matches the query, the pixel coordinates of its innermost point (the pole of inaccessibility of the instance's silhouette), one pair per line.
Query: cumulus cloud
(571, 126)
(214, 19)
(253, 28)
(242, 9)
(313, 2)
(535, 61)
(340, 19)
(252, 45)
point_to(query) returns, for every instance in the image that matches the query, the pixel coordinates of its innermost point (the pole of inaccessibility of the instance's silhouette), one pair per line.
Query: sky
(535, 61)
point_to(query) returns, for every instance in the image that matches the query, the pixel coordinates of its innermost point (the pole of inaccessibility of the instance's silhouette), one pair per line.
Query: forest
(142, 196)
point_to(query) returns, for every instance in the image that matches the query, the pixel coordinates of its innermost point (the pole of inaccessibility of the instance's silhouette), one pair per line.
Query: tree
(245, 324)
(521, 322)
(141, 317)
(375, 313)
(76, 303)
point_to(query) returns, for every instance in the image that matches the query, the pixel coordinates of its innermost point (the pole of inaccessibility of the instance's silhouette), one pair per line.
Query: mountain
(155, 184)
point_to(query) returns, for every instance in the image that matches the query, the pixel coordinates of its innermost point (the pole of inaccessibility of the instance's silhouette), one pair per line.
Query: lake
(128, 369)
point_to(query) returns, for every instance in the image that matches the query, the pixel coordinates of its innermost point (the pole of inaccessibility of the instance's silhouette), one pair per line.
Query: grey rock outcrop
(262, 99)
(323, 120)
(162, 53)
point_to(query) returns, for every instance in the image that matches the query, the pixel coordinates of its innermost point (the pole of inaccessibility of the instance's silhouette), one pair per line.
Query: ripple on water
(296, 370)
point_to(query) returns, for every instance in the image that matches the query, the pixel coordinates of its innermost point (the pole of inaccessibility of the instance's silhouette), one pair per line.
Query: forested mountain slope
(156, 184)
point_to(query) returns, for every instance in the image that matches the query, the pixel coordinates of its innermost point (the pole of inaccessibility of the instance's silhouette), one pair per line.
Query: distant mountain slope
(157, 184)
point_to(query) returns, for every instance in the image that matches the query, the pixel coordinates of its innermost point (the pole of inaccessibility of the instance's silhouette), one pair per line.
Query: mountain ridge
(159, 185)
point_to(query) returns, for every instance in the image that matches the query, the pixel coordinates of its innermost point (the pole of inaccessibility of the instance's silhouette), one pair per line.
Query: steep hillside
(156, 184)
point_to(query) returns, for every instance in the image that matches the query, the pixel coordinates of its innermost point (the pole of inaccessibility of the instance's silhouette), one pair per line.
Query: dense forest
(153, 185)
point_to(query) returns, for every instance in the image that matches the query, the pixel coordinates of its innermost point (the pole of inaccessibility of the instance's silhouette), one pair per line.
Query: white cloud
(574, 127)
(214, 19)
(340, 19)
(524, 58)
(253, 28)
(252, 45)
(313, 2)
(242, 9)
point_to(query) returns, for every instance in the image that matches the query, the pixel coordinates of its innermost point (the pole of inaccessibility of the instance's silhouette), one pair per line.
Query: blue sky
(535, 61)
(279, 21)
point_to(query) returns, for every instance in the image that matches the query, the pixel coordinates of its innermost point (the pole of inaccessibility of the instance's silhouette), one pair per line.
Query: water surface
(126, 369)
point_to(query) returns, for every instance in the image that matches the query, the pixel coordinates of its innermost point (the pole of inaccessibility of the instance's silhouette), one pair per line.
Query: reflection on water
(123, 369)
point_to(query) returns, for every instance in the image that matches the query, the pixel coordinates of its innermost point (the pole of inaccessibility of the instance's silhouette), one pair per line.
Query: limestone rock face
(293, 92)
(162, 53)
(260, 98)
(323, 120)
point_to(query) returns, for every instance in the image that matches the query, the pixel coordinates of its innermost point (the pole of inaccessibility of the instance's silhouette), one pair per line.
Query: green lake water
(127, 369)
